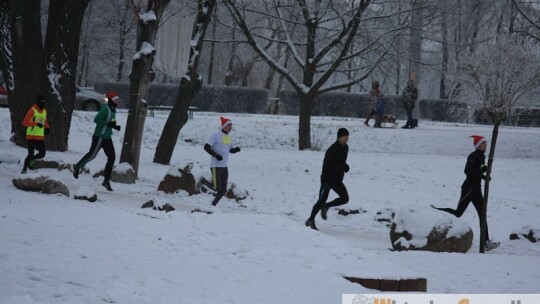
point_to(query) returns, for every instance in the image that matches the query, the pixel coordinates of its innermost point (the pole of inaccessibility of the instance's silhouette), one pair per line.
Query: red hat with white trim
(225, 122)
(478, 140)
(113, 96)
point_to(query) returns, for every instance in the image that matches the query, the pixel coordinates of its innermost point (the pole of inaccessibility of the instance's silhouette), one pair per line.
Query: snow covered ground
(54, 249)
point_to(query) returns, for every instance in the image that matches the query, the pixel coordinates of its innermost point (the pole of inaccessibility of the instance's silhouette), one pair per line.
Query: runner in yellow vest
(37, 127)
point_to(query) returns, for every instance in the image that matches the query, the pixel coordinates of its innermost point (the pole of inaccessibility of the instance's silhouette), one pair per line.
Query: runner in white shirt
(218, 146)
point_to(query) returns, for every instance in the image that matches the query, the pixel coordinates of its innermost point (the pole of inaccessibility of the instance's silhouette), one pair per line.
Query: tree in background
(529, 27)
(141, 76)
(325, 30)
(34, 68)
(189, 85)
(493, 79)
(61, 50)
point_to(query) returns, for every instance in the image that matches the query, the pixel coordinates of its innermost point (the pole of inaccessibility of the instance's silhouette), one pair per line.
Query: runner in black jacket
(471, 190)
(334, 168)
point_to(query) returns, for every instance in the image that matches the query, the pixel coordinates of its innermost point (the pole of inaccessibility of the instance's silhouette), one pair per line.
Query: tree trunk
(28, 64)
(483, 217)
(85, 47)
(415, 44)
(126, 26)
(304, 122)
(190, 84)
(281, 79)
(176, 121)
(138, 90)
(61, 53)
(444, 64)
(140, 78)
(212, 49)
(229, 77)
(6, 57)
(122, 49)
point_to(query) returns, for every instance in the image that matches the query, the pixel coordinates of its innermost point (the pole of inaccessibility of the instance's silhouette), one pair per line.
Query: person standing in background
(409, 96)
(373, 93)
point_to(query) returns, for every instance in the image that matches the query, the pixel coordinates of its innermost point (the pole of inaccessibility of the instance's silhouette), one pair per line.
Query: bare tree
(33, 68)
(531, 26)
(61, 50)
(190, 84)
(141, 75)
(85, 46)
(496, 76)
(22, 54)
(212, 47)
(325, 29)
(415, 41)
(126, 23)
(6, 57)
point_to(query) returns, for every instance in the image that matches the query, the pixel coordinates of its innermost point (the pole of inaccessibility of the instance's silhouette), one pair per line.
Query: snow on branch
(146, 49)
(289, 41)
(147, 17)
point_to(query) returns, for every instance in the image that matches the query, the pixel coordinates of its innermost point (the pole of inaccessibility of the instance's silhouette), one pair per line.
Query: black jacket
(335, 162)
(475, 168)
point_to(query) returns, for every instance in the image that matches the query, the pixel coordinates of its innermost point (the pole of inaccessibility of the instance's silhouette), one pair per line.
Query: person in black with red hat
(334, 168)
(471, 189)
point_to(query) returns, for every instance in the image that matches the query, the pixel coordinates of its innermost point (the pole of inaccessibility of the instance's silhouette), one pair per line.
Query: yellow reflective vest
(31, 120)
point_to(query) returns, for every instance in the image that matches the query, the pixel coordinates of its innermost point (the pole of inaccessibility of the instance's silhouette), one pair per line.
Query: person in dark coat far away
(409, 96)
(471, 189)
(334, 168)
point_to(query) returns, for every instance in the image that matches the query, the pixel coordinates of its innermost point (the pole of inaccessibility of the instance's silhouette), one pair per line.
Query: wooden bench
(168, 108)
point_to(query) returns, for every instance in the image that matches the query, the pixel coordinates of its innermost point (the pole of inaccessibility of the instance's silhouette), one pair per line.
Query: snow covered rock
(158, 206)
(385, 215)
(31, 182)
(346, 212)
(429, 230)
(46, 164)
(40, 183)
(53, 186)
(236, 193)
(182, 177)
(86, 194)
(531, 234)
(122, 173)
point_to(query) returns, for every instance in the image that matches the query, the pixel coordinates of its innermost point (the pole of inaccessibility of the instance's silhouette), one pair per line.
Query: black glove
(47, 131)
(218, 157)
(40, 125)
(111, 124)
(235, 150)
(483, 168)
(346, 168)
(116, 127)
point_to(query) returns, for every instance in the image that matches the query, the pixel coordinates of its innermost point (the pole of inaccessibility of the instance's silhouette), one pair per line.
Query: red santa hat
(113, 96)
(225, 122)
(478, 140)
